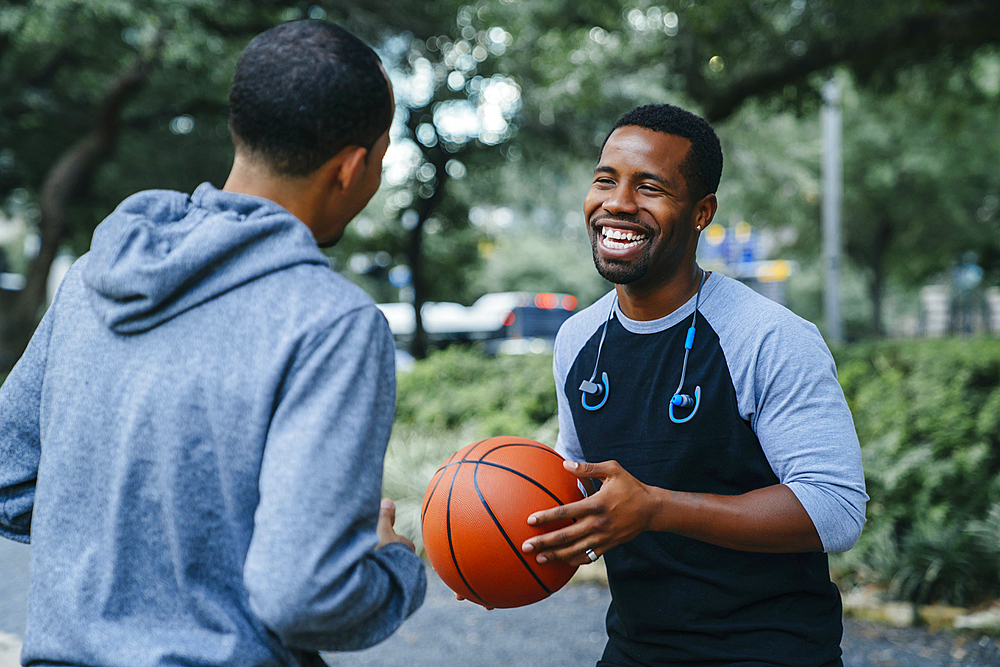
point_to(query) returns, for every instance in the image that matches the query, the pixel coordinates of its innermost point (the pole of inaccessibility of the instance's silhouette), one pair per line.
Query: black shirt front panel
(677, 600)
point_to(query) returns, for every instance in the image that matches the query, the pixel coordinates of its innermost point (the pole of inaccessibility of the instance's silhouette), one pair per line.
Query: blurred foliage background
(502, 105)
(501, 108)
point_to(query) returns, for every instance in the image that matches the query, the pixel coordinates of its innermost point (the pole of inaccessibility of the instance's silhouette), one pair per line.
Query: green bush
(460, 387)
(928, 417)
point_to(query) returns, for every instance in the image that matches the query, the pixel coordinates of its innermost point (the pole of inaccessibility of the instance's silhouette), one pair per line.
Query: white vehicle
(509, 321)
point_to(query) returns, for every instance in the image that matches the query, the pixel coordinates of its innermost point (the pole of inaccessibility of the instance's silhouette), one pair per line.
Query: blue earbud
(685, 401)
(682, 401)
(588, 387)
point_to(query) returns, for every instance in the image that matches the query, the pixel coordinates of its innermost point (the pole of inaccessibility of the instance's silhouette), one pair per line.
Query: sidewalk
(10, 650)
(567, 630)
(564, 630)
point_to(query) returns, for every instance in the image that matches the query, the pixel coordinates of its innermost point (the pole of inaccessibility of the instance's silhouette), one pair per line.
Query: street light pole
(833, 179)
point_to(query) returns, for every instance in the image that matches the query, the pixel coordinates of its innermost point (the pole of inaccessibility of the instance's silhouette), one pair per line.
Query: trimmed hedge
(460, 387)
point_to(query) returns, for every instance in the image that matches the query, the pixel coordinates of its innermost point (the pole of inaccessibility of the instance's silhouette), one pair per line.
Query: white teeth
(620, 238)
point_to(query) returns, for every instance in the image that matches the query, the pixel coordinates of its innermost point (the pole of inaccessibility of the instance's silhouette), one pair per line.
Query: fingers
(577, 553)
(585, 470)
(484, 606)
(569, 535)
(384, 527)
(387, 512)
(574, 555)
(561, 513)
(569, 544)
(605, 470)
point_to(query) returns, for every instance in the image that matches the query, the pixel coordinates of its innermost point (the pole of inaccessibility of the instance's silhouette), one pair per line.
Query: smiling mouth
(621, 239)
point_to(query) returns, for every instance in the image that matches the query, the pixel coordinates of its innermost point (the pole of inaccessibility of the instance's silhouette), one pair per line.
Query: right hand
(384, 529)
(614, 515)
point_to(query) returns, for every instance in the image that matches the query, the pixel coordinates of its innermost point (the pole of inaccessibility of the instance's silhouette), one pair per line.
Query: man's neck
(249, 177)
(642, 304)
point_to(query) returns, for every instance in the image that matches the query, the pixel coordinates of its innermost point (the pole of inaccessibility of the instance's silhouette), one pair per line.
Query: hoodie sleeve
(20, 437)
(312, 571)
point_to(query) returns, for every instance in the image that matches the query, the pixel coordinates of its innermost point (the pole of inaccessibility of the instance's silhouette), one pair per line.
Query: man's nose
(620, 200)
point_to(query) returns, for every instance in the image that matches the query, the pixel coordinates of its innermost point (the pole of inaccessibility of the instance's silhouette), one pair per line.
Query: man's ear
(704, 211)
(346, 168)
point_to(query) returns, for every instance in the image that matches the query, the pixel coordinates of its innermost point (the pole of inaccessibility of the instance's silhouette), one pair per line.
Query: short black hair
(304, 90)
(702, 168)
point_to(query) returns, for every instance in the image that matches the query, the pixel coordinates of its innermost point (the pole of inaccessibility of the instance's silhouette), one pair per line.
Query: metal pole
(833, 179)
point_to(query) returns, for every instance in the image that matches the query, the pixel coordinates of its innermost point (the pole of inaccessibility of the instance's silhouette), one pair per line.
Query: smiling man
(727, 457)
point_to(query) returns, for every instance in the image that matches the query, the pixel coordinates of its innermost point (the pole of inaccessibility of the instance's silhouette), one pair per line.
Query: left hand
(616, 514)
(385, 528)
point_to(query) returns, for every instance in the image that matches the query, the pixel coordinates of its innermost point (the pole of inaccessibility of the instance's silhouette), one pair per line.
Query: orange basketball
(475, 519)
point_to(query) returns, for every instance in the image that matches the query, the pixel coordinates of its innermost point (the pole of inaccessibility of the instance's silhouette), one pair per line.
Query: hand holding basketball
(614, 515)
(385, 528)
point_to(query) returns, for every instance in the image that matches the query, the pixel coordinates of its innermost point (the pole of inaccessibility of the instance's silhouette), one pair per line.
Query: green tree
(453, 115)
(100, 98)
(916, 180)
(148, 78)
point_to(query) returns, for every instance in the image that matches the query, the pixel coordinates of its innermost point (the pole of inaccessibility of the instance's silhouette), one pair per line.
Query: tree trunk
(64, 180)
(414, 257)
(876, 290)
(425, 208)
(876, 284)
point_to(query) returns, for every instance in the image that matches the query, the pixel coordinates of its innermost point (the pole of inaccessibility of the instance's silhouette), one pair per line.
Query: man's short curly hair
(702, 167)
(304, 90)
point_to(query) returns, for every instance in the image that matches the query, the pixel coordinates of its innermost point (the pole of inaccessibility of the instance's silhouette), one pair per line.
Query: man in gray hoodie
(193, 440)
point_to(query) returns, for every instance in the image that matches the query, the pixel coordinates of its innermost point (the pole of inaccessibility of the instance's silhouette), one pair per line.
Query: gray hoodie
(193, 442)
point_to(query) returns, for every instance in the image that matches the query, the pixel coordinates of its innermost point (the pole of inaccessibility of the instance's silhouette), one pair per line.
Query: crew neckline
(672, 319)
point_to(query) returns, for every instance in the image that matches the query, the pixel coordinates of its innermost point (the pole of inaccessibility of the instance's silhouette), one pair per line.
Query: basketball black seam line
(510, 542)
(451, 545)
(519, 474)
(441, 470)
(524, 444)
(499, 465)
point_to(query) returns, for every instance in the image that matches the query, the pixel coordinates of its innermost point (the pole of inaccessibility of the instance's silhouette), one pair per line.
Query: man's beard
(617, 272)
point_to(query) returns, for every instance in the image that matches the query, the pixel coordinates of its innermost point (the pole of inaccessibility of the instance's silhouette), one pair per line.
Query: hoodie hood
(161, 252)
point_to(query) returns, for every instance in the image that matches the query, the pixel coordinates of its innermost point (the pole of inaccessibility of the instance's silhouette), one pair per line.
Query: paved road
(13, 598)
(566, 630)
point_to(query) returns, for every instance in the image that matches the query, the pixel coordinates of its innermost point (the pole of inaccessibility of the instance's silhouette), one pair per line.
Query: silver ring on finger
(591, 555)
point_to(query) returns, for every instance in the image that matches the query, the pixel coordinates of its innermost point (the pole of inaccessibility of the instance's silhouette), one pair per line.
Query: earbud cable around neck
(604, 333)
(689, 342)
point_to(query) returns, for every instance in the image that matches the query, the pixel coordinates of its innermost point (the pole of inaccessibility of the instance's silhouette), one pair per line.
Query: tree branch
(65, 178)
(43, 76)
(920, 37)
